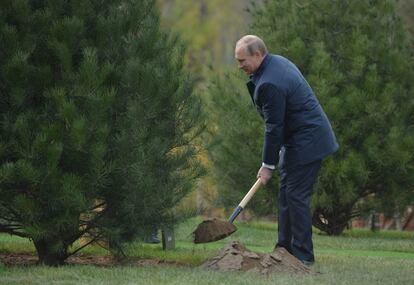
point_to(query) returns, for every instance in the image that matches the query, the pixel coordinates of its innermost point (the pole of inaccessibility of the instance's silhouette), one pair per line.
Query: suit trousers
(295, 218)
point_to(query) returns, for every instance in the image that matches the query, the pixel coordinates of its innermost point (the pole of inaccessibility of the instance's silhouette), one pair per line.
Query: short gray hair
(253, 44)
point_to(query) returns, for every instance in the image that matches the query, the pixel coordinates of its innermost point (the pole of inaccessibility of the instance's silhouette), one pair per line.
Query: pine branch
(7, 229)
(15, 217)
(94, 239)
(88, 226)
(97, 206)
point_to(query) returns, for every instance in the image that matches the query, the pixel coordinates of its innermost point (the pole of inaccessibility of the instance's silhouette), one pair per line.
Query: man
(297, 137)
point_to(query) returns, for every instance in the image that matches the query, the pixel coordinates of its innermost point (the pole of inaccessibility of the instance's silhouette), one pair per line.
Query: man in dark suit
(297, 137)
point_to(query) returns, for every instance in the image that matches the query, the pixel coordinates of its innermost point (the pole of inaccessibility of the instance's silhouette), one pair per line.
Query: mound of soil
(212, 230)
(236, 257)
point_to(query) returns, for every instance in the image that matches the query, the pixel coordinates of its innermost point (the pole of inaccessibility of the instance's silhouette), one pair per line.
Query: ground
(358, 257)
(21, 259)
(233, 257)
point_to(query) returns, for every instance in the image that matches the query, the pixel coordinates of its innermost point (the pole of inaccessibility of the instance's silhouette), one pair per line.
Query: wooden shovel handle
(251, 192)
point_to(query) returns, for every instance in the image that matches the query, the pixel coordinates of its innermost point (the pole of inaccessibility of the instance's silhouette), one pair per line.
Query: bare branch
(94, 239)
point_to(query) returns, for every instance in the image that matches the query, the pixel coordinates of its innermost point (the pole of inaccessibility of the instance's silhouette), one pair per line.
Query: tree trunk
(49, 253)
(397, 219)
(374, 224)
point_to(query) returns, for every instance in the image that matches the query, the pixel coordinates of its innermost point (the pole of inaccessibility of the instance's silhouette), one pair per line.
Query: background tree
(235, 137)
(405, 9)
(210, 29)
(357, 58)
(97, 120)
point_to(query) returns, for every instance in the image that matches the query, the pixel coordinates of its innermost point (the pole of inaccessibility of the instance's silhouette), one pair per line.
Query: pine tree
(96, 126)
(157, 121)
(356, 56)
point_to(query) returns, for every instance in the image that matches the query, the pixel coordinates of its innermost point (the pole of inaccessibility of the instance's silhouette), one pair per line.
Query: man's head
(249, 53)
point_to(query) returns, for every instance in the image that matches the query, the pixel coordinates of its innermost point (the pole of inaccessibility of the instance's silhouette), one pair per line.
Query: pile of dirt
(236, 257)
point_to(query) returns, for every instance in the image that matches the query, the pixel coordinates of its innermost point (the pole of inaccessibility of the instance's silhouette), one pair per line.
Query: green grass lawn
(357, 257)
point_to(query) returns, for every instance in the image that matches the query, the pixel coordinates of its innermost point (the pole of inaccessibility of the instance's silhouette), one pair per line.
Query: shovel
(214, 229)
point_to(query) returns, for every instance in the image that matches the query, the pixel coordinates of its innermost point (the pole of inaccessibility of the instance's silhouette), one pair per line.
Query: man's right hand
(265, 174)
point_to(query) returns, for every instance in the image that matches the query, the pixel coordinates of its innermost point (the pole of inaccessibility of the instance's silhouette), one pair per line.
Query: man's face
(247, 62)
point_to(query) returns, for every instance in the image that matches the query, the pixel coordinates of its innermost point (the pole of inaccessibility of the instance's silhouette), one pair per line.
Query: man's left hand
(265, 174)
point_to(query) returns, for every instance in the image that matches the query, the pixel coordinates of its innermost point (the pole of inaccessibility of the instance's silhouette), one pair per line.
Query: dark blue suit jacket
(295, 121)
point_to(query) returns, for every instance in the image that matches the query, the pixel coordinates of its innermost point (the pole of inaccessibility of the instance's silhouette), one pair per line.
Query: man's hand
(265, 174)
